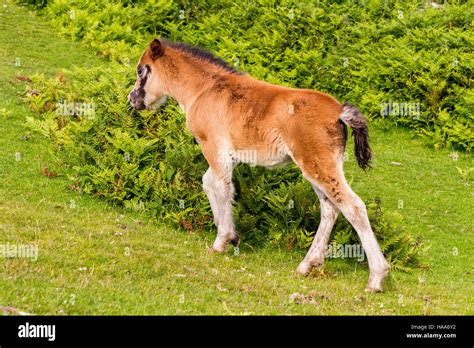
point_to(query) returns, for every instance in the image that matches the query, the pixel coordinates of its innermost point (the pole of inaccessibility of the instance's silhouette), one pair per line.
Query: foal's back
(272, 120)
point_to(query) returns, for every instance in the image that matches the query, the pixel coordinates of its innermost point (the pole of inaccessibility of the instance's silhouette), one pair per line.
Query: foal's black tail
(352, 117)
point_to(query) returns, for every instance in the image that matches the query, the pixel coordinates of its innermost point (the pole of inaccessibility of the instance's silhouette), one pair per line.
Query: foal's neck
(187, 79)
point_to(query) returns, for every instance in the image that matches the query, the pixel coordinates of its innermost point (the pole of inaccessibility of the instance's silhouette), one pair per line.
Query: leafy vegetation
(385, 56)
(98, 259)
(402, 62)
(146, 162)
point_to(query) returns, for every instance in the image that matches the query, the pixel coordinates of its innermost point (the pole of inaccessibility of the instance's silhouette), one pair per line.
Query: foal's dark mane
(202, 54)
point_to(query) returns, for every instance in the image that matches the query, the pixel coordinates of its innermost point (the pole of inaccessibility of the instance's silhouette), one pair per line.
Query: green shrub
(35, 4)
(380, 55)
(370, 52)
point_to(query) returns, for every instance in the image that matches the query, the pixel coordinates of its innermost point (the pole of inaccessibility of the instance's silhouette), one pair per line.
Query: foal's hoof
(375, 281)
(373, 290)
(218, 247)
(304, 268)
(213, 250)
(235, 241)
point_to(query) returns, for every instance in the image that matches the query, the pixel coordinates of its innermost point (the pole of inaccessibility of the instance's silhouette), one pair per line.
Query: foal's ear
(156, 49)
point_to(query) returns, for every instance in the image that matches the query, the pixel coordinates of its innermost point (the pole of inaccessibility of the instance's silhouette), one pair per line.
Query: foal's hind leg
(332, 182)
(355, 212)
(317, 252)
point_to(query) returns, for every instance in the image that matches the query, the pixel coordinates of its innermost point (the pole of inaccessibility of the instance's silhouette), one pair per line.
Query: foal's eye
(140, 71)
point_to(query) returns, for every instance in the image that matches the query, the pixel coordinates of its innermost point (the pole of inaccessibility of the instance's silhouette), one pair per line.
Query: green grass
(135, 267)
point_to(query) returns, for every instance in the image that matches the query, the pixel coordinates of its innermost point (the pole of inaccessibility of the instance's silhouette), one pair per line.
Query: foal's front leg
(217, 183)
(220, 191)
(225, 230)
(210, 190)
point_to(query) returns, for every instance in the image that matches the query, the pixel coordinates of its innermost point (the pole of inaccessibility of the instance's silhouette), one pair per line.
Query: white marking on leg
(354, 210)
(209, 189)
(224, 190)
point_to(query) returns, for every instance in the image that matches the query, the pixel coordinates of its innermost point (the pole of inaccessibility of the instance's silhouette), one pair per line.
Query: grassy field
(98, 259)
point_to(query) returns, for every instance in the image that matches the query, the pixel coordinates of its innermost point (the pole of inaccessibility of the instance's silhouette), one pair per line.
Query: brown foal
(236, 118)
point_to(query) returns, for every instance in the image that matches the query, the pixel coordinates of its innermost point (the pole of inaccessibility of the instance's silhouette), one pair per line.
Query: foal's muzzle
(136, 101)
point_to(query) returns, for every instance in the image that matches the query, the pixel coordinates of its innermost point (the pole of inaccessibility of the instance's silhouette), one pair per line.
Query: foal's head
(149, 90)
